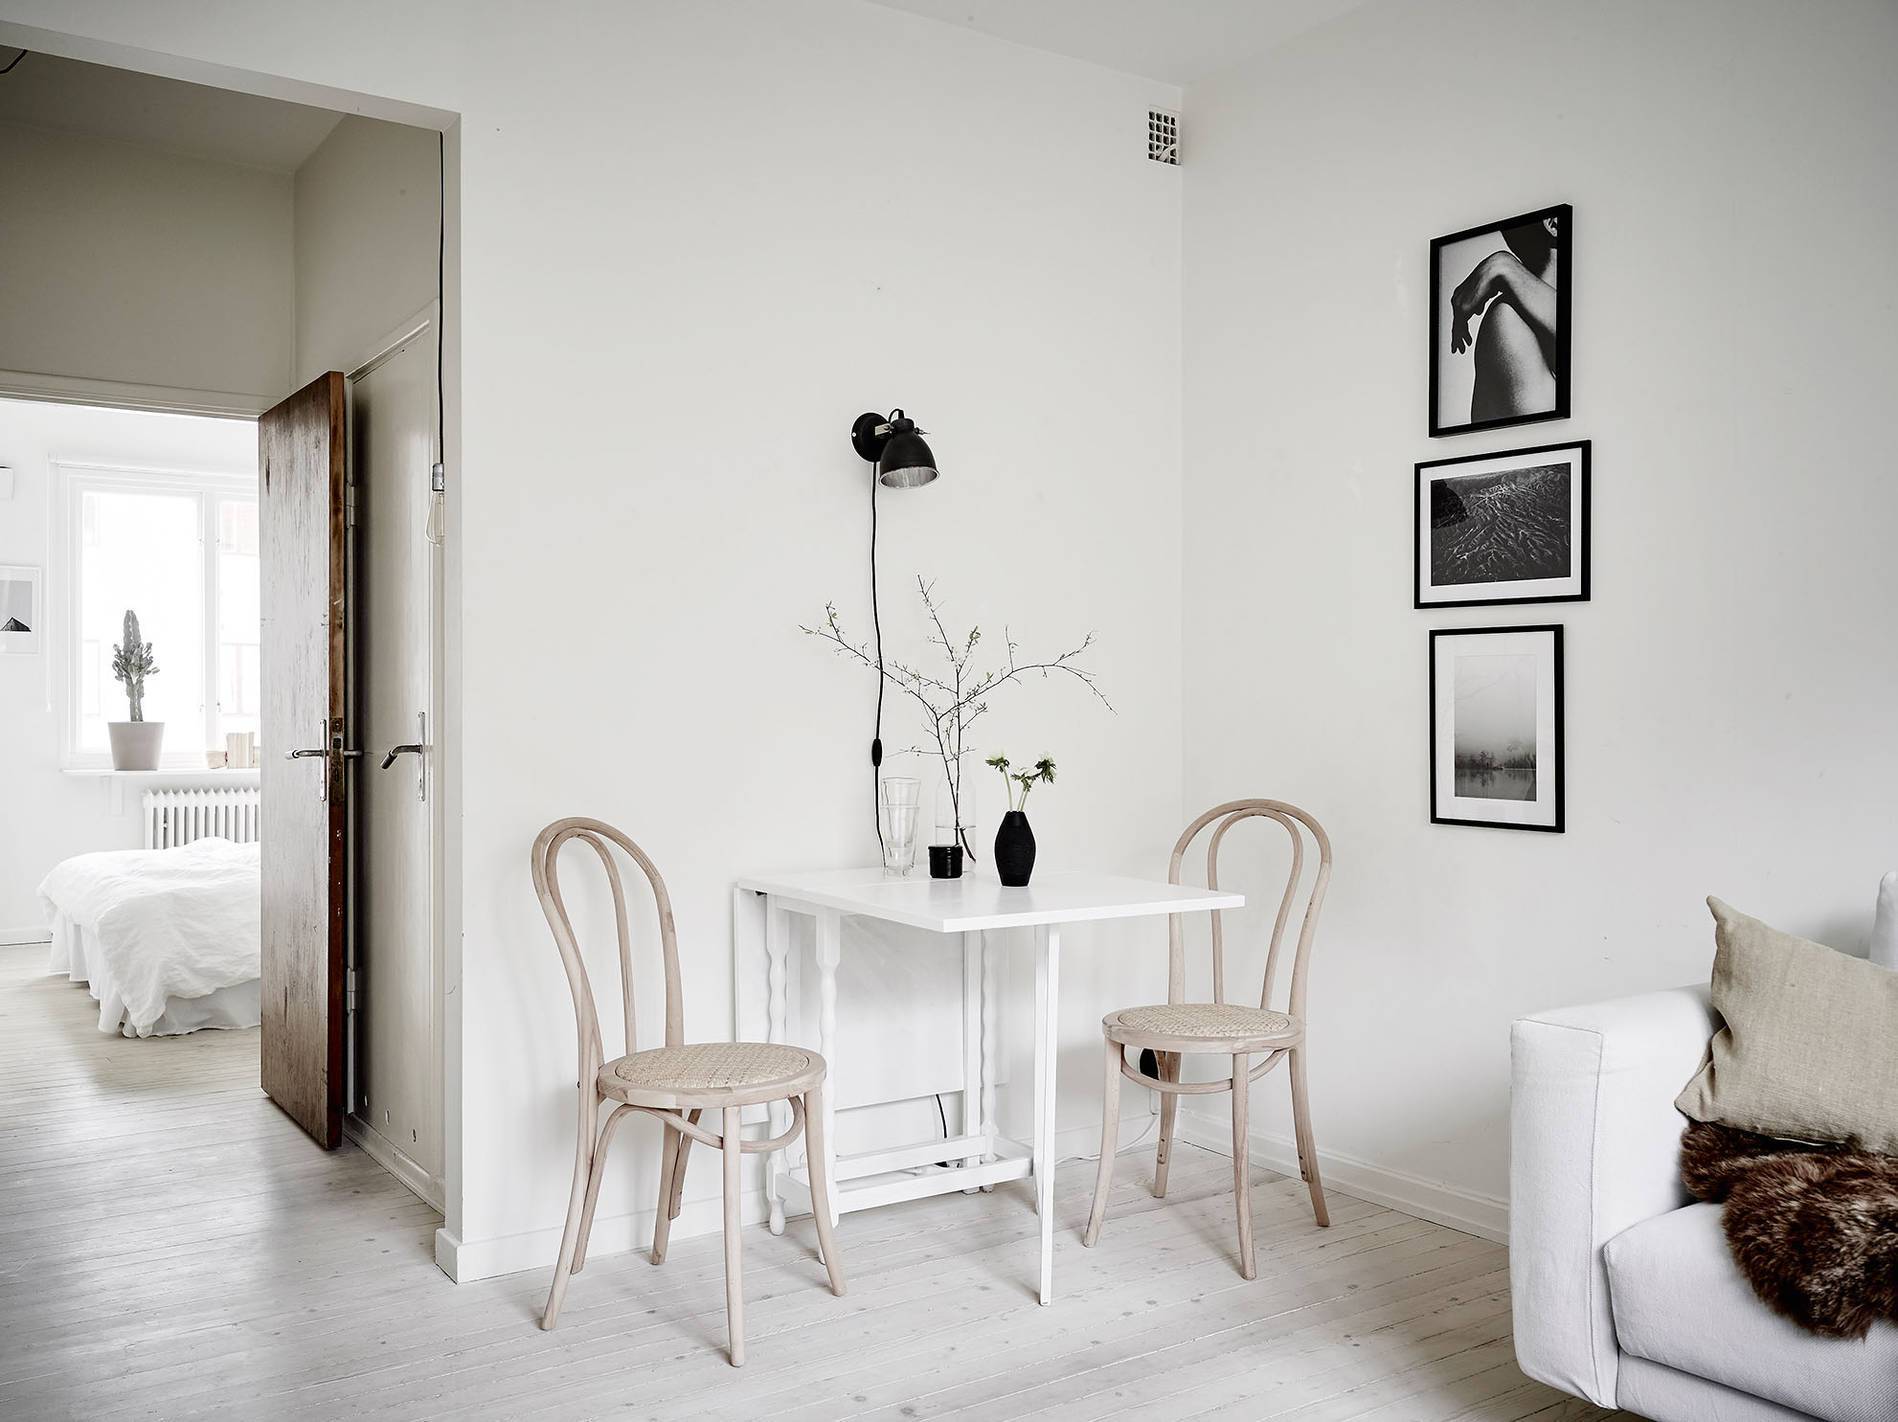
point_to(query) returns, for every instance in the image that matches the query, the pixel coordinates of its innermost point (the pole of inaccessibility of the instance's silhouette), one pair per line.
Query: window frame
(72, 481)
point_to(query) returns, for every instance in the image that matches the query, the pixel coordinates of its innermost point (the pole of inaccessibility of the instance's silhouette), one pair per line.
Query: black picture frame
(1581, 533)
(1564, 214)
(1556, 815)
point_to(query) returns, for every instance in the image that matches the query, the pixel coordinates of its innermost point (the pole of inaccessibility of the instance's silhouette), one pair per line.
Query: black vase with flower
(1014, 839)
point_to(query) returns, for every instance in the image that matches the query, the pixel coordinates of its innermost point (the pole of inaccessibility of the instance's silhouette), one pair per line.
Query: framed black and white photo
(21, 608)
(1501, 528)
(1496, 727)
(1499, 323)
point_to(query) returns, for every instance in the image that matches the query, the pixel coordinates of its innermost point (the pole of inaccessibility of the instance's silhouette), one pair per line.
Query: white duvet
(165, 923)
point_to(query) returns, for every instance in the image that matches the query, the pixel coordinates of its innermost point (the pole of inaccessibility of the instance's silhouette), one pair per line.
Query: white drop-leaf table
(968, 907)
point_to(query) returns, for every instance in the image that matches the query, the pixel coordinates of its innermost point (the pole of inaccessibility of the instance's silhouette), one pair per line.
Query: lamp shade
(907, 461)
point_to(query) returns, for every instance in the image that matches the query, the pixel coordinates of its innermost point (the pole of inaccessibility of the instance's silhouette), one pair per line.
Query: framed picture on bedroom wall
(1503, 528)
(1496, 727)
(22, 606)
(1499, 322)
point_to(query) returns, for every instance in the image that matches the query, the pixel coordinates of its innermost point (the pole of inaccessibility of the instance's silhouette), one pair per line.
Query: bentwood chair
(1177, 1028)
(678, 1083)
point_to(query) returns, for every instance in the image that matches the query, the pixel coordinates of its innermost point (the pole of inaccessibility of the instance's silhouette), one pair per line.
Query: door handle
(389, 759)
(299, 754)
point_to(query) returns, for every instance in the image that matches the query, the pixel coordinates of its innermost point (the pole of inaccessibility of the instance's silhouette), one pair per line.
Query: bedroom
(196, 256)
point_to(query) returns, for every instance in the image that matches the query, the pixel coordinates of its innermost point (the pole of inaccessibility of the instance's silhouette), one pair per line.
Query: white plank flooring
(171, 1246)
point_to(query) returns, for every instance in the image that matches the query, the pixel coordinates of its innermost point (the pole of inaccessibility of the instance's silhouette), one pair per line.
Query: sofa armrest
(1594, 1149)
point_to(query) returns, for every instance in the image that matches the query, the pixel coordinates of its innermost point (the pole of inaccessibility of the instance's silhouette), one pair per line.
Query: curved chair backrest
(1228, 815)
(600, 836)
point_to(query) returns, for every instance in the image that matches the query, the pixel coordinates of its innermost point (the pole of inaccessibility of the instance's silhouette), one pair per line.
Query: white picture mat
(1515, 589)
(22, 595)
(1447, 804)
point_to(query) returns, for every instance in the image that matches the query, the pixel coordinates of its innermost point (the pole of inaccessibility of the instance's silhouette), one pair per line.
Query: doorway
(256, 244)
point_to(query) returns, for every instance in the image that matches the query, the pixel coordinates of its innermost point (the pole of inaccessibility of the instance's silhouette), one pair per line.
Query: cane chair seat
(711, 1074)
(1202, 1027)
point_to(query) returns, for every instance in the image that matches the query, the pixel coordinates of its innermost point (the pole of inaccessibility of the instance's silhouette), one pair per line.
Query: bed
(167, 940)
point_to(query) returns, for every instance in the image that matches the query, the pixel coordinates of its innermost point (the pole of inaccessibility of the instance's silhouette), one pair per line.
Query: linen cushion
(1809, 1049)
(1680, 1300)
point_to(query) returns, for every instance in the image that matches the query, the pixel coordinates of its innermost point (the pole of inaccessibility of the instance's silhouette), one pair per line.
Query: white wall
(366, 234)
(1734, 172)
(133, 265)
(695, 242)
(47, 815)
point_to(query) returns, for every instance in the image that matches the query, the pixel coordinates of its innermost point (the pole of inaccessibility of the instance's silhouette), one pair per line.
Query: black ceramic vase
(1014, 850)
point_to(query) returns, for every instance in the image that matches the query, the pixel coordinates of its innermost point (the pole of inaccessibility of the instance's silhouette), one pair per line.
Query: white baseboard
(380, 1149)
(21, 937)
(1433, 1200)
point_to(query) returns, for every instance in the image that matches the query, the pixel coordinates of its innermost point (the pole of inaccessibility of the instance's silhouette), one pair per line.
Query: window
(180, 550)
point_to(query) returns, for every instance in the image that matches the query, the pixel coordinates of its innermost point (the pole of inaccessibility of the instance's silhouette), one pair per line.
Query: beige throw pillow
(1810, 1047)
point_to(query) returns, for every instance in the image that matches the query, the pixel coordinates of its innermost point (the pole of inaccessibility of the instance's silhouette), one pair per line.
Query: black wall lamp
(893, 446)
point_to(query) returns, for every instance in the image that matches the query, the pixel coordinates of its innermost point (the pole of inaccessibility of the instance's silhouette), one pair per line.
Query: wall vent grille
(1163, 137)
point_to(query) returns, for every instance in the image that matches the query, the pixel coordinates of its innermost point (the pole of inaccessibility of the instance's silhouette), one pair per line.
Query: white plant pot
(135, 744)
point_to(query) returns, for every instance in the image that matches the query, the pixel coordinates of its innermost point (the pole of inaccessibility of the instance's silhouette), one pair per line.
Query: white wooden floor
(171, 1246)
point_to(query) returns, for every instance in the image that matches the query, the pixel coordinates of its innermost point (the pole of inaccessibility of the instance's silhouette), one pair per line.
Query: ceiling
(49, 92)
(1177, 41)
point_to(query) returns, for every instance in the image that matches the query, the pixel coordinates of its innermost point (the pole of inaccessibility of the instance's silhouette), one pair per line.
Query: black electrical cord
(441, 300)
(876, 622)
(16, 62)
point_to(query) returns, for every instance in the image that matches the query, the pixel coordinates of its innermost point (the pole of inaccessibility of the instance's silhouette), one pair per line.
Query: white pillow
(1885, 923)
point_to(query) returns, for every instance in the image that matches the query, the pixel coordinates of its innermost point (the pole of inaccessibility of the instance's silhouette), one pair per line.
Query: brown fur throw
(1813, 1228)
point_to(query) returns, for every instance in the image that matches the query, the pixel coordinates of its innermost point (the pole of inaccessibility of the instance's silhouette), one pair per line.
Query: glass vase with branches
(953, 698)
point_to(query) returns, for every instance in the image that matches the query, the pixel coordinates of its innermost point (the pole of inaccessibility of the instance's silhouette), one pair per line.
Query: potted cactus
(135, 743)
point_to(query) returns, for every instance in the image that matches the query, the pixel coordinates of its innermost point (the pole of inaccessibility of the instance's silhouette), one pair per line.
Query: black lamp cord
(15, 64)
(876, 622)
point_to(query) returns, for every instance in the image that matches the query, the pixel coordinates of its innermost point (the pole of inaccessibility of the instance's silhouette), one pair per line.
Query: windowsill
(178, 772)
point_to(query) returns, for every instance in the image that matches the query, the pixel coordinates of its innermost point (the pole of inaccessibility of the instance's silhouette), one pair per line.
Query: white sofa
(1624, 1291)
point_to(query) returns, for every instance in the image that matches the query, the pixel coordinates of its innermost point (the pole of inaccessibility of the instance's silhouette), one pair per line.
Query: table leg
(830, 937)
(1047, 1004)
(777, 935)
(973, 1119)
(991, 1036)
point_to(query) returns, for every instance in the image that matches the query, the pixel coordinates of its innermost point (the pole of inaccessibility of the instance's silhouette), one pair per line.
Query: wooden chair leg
(669, 1154)
(678, 1170)
(1301, 1130)
(1110, 1140)
(820, 1188)
(584, 1141)
(671, 1186)
(1242, 1161)
(1169, 1064)
(593, 1189)
(734, 1263)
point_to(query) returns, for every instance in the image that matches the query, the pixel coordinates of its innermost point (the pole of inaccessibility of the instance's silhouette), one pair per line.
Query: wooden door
(303, 535)
(398, 997)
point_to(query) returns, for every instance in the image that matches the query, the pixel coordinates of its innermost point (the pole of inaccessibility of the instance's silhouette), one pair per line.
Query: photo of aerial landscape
(1494, 737)
(1509, 526)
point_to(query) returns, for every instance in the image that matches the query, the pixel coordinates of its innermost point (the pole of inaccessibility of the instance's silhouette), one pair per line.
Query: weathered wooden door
(302, 521)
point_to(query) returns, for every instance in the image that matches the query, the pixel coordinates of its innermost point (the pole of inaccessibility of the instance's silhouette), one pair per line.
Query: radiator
(175, 817)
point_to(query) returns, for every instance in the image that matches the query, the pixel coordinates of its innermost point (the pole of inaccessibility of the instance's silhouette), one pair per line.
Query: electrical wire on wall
(438, 475)
(876, 624)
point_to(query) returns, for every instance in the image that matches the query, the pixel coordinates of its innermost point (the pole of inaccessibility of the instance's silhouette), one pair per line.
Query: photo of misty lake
(1495, 725)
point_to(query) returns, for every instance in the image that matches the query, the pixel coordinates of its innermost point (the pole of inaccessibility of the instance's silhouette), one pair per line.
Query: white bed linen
(155, 930)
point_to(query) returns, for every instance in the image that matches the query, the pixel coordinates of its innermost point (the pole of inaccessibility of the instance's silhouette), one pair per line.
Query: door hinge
(349, 505)
(349, 989)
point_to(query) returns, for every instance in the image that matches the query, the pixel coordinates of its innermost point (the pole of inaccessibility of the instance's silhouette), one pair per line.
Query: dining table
(977, 910)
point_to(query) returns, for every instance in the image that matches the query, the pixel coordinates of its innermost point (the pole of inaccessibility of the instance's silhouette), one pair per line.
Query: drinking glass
(897, 799)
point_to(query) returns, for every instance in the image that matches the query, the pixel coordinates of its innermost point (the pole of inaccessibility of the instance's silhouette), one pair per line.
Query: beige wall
(133, 265)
